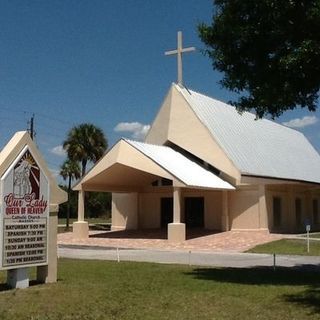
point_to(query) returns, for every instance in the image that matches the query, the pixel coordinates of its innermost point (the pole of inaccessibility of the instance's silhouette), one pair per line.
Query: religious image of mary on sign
(26, 177)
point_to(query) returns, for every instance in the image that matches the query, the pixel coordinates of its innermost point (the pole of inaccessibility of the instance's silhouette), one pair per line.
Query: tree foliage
(268, 51)
(98, 204)
(85, 143)
(70, 170)
(73, 202)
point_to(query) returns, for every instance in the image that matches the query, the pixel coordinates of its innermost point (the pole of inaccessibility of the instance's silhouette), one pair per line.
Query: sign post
(23, 218)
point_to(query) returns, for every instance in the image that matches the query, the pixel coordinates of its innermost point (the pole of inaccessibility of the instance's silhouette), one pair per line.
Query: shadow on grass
(32, 283)
(260, 275)
(310, 299)
(4, 287)
(290, 276)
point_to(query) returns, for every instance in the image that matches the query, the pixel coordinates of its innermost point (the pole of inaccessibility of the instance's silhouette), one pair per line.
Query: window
(315, 211)
(161, 182)
(276, 211)
(298, 211)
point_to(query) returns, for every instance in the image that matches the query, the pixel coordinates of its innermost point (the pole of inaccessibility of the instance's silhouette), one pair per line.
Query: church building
(204, 165)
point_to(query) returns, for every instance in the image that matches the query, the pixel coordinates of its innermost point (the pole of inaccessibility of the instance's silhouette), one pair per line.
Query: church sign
(24, 214)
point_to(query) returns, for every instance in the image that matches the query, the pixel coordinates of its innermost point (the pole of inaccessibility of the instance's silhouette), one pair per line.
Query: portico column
(176, 205)
(81, 227)
(81, 206)
(176, 230)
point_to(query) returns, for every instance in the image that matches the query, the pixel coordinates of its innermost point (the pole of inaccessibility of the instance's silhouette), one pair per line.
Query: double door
(193, 212)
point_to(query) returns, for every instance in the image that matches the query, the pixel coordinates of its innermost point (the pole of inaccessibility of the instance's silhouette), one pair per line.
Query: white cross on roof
(179, 52)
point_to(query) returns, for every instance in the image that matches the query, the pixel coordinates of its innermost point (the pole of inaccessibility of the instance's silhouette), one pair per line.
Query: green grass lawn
(289, 246)
(110, 290)
(94, 224)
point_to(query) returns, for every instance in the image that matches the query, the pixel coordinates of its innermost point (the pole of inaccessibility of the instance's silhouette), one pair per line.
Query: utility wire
(53, 118)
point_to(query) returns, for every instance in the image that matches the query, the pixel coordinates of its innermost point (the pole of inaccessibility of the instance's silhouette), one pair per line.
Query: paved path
(199, 258)
(230, 241)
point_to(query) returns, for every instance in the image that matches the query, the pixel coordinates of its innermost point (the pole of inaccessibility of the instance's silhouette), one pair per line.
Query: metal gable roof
(256, 147)
(187, 171)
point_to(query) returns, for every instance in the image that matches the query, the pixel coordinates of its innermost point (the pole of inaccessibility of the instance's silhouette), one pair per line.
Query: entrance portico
(138, 175)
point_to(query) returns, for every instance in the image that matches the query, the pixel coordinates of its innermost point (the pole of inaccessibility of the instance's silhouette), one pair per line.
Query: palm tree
(69, 170)
(84, 143)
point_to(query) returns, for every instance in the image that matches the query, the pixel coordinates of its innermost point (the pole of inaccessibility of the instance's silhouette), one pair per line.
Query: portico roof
(132, 162)
(187, 171)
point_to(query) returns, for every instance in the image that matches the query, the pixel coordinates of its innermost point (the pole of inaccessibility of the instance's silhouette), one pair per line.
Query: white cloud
(301, 122)
(58, 151)
(137, 130)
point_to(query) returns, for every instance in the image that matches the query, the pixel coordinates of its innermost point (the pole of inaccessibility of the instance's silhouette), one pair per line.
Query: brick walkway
(230, 241)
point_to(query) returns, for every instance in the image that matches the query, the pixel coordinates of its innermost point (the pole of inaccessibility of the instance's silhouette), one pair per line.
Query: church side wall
(315, 221)
(212, 207)
(244, 209)
(124, 211)
(292, 219)
(143, 210)
(213, 210)
(296, 204)
(149, 209)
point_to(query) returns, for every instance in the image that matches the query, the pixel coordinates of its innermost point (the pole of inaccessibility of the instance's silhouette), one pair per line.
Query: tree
(69, 170)
(84, 143)
(268, 51)
(99, 205)
(73, 201)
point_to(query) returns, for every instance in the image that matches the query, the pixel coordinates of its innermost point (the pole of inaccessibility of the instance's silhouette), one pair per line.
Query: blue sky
(69, 62)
